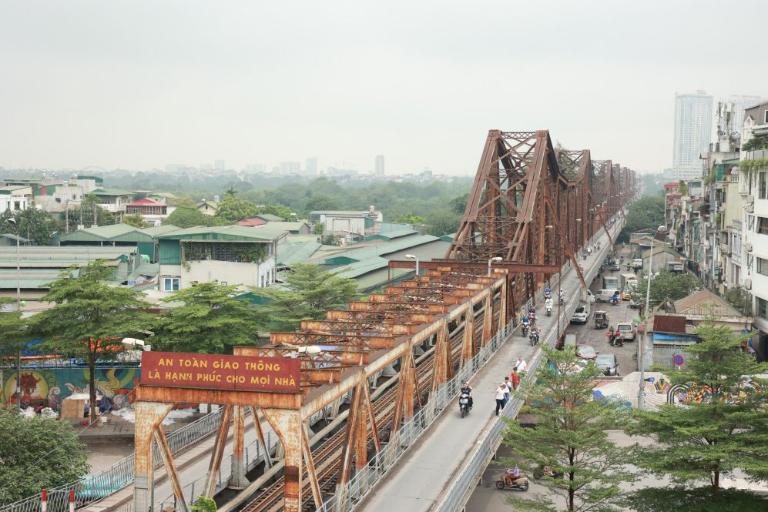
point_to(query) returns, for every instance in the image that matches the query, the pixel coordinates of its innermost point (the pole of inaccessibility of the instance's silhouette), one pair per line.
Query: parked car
(614, 266)
(627, 330)
(586, 352)
(607, 364)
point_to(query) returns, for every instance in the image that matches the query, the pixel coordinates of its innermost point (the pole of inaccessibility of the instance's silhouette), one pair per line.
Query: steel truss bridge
(367, 369)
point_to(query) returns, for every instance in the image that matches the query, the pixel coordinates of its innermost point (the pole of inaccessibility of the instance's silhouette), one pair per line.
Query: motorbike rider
(548, 305)
(532, 315)
(510, 475)
(467, 389)
(562, 296)
(534, 336)
(547, 292)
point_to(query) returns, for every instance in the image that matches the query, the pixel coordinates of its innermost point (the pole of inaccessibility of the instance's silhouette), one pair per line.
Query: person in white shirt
(501, 394)
(520, 365)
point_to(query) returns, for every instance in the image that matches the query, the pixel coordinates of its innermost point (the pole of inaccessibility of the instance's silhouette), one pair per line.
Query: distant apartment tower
(693, 130)
(310, 166)
(379, 165)
(290, 167)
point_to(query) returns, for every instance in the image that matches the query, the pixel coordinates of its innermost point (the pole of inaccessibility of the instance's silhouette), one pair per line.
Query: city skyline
(200, 84)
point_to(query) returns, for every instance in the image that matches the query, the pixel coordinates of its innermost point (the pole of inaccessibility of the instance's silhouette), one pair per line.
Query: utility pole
(641, 345)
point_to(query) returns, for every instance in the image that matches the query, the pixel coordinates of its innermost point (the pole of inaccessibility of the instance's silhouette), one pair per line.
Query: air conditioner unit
(748, 284)
(748, 247)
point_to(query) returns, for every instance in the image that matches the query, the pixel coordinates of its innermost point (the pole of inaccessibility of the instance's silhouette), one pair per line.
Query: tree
(702, 499)
(412, 219)
(90, 318)
(14, 333)
(88, 214)
(442, 221)
(210, 320)
(309, 293)
(37, 453)
(32, 224)
(233, 209)
(713, 436)
(459, 204)
(645, 213)
(135, 220)
(321, 202)
(666, 287)
(570, 437)
(280, 210)
(190, 217)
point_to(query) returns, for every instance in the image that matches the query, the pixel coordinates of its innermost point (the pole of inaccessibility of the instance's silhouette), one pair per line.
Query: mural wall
(49, 386)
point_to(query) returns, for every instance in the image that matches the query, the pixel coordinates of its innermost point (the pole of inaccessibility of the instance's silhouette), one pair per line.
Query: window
(171, 284)
(762, 308)
(762, 185)
(765, 116)
(762, 266)
(762, 225)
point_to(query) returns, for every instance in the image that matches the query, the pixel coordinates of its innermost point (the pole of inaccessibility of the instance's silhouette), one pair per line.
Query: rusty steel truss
(366, 369)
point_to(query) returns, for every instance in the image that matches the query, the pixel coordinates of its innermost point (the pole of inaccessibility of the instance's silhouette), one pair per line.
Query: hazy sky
(141, 84)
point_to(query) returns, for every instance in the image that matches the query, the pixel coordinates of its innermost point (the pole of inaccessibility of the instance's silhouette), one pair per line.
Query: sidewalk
(423, 474)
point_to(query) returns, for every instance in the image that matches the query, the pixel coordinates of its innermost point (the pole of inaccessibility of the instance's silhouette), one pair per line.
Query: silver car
(607, 364)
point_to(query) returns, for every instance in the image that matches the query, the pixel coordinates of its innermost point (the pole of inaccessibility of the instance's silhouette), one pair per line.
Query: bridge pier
(238, 480)
(287, 425)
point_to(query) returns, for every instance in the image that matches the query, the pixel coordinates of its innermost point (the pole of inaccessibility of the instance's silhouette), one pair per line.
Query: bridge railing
(348, 497)
(91, 488)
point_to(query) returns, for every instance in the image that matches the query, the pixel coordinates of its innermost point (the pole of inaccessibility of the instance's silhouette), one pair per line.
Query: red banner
(231, 373)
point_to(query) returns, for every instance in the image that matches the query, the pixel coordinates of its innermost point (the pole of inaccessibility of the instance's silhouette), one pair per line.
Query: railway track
(327, 456)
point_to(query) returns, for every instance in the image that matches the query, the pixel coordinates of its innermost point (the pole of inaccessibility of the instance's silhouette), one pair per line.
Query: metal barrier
(92, 488)
(347, 497)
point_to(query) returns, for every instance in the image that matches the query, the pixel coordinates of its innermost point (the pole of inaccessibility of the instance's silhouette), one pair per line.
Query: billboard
(220, 372)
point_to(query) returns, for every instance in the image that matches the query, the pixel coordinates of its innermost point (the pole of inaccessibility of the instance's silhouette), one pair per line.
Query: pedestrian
(508, 394)
(520, 365)
(501, 392)
(515, 377)
(617, 337)
(609, 335)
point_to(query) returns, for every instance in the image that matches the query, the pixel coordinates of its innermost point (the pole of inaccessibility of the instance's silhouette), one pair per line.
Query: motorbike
(615, 300)
(549, 310)
(534, 338)
(518, 484)
(464, 404)
(525, 328)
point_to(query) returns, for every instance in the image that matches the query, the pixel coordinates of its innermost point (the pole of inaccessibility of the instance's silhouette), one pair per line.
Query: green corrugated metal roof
(361, 268)
(156, 231)
(382, 249)
(393, 234)
(291, 252)
(285, 226)
(111, 233)
(111, 192)
(224, 233)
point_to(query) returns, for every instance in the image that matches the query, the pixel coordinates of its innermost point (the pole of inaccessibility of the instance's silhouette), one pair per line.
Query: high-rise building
(379, 165)
(693, 131)
(740, 104)
(310, 166)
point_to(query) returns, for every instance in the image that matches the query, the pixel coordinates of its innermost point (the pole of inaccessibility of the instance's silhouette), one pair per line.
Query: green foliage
(232, 208)
(319, 228)
(702, 499)
(88, 214)
(682, 187)
(90, 317)
(135, 220)
(459, 204)
(666, 287)
(725, 432)
(570, 437)
(281, 211)
(740, 299)
(748, 165)
(204, 504)
(14, 329)
(412, 219)
(645, 213)
(755, 143)
(37, 453)
(32, 224)
(321, 202)
(442, 221)
(242, 252)
(184, 217)
(309, 293)
(209, 320)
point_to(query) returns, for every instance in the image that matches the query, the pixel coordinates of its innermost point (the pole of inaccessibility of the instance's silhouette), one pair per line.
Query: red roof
(146, 202)
(666, 323)
(252, 222)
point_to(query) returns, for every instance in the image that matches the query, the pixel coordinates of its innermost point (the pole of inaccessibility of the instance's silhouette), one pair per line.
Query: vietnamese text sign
(209, 371)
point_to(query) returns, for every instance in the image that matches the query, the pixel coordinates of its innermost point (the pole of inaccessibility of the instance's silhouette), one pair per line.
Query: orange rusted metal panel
(213, 396)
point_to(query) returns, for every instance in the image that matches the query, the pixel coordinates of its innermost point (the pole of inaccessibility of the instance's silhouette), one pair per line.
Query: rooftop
(146, 202)
(269, 217)
(266, 233)
(705, 303)
(52, 257)
(111, 192)
(366, 251)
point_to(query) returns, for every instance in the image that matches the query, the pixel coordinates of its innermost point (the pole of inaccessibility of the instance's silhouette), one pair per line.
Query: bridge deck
(423, 475)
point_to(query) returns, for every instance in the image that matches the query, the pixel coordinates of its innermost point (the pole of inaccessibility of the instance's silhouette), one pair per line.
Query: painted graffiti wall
(49, 386)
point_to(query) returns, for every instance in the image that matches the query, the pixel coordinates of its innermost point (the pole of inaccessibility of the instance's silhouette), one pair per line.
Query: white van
(605, 294)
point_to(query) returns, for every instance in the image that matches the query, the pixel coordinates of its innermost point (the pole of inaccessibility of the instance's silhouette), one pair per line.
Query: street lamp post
(490, 262)
(641, 345)
(18, 309)
(414, 257)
